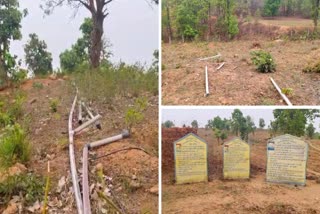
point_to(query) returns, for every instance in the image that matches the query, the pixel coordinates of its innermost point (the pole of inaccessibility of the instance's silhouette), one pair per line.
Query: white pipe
(74, 174)
(80, 113)
(91, 115)
(211, 57)
(98, 143)
(280, 92)
(222, 64)
(84, 125)
(207, 81)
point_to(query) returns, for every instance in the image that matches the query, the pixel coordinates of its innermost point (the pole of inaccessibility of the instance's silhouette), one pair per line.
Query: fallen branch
(280, 92)
(222, 64)
(121, 150)
(207, 82)
(211, 57)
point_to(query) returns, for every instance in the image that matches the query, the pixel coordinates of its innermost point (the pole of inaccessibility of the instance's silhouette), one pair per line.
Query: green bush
(28, 185)
(14, 146)
(263, 61)
(54, 105)
(134, 115)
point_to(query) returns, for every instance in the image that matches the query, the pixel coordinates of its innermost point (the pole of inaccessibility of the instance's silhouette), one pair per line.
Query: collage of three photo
(170, 106)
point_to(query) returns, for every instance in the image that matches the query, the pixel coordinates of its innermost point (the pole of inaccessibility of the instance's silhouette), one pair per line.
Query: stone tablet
(191, 159)
(287, 160)
(236, 159)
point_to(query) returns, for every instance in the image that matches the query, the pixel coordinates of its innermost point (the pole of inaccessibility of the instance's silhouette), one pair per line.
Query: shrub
(312, 68)
(14, 146)
(263, 61)
(287, 91)
(28, 185)
(37, 85)
(134, 115)
(54, 105)
(15, 109)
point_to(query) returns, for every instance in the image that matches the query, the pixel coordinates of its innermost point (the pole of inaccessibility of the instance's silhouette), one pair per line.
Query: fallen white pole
(80, 113)
(211, 57)
(89, 122)
(74, 174)
(85, 180)
(222, 64)
(280, 92)
(91, 115)
(207, 82)
(98, 143)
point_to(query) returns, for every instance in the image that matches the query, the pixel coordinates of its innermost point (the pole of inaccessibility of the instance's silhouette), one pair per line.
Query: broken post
(89, 122)
(220, 66)
(280, 92)
(85, 180)
(80, 113)
(207, 82)
(211, 57)
(98, 125)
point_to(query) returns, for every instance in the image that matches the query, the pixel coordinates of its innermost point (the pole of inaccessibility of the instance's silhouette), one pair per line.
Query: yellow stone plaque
(287, 160)
(236, 159)
(191, 159)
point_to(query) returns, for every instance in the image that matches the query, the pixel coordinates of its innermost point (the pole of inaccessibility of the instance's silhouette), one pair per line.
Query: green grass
(14, 146)
(29, 186)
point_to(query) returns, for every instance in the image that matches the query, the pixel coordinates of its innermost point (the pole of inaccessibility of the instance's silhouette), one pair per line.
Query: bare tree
(99, 11)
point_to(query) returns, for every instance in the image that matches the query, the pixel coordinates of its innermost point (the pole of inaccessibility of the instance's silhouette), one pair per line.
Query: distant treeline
(202, 19)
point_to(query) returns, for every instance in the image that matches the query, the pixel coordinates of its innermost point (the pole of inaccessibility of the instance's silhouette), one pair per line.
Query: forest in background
(187, 20)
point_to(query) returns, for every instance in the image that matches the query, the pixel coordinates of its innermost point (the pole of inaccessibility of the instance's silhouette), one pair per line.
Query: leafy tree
(99, 10)
(168, 124)
(271, 7)
(261, 123)
(189, 15)
(293, 121)
(78, 55)
(194, 124)
(38, 59)
(227, 22)
(310, 130)
(10, 26)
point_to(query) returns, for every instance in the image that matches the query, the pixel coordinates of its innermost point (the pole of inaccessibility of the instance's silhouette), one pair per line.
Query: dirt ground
(237, 82)
(246, 196)
(49, 137)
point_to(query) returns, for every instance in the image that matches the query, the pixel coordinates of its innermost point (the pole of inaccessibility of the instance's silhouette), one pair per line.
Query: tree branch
(85, 4)
(107, 2)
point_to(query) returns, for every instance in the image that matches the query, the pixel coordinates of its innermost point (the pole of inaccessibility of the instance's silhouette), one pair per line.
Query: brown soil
(48, 132)
(249, 196)
(238, 83)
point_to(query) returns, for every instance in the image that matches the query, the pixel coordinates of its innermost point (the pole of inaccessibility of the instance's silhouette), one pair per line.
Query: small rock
(154, 190)
(134, 177)
(135, 185)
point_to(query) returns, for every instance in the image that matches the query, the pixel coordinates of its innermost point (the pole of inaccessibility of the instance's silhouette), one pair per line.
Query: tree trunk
(169, 23)
(96, 39)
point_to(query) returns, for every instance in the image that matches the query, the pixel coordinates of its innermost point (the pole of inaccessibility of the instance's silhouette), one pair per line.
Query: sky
(185, 116)
(131, 27)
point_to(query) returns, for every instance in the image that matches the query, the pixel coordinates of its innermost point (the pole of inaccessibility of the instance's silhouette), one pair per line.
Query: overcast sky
(131, 27)
(186, 116)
